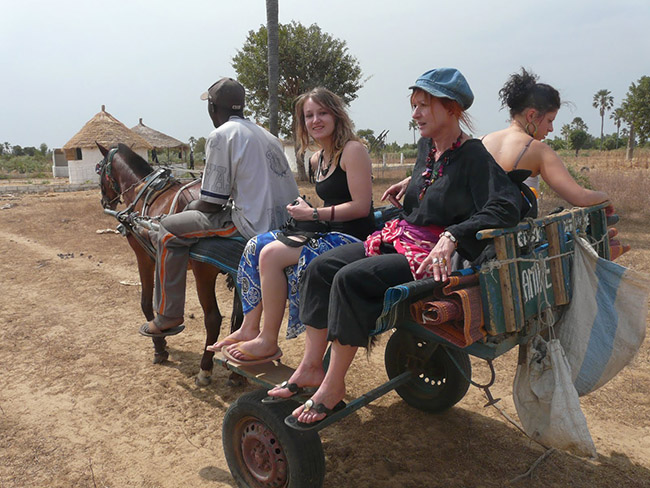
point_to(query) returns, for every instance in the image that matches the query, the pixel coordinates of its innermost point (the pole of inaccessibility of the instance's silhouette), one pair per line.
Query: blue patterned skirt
(248, 274)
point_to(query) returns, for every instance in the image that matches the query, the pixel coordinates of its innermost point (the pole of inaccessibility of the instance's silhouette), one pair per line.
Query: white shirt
(246, 164)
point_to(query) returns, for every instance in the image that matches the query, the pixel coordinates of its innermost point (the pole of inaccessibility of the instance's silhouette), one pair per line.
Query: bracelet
(314, 214)
(332, 213)
(450, 236)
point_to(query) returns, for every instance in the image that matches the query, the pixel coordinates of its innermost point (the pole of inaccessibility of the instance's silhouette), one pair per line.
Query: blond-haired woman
(343, 177)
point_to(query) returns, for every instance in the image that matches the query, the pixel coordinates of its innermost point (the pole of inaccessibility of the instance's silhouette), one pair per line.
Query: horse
(126, 177)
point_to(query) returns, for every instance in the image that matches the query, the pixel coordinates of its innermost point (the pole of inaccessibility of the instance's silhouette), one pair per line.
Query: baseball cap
(447, 83)
(226, 93)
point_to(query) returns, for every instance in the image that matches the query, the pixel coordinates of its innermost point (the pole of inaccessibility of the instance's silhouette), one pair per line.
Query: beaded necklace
(428, 174)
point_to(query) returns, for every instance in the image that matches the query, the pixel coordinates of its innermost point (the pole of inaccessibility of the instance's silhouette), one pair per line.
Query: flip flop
(252, 359)
(226, 342)
(293, 422)
(144, 330)
(293, 388)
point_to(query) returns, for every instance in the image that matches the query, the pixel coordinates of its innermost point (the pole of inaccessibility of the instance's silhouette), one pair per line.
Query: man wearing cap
(246, 186)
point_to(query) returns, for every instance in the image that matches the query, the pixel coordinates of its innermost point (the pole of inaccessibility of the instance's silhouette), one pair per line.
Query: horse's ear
(102, 149)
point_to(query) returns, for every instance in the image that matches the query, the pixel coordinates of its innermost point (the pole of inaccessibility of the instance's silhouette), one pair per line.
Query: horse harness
(154, 184)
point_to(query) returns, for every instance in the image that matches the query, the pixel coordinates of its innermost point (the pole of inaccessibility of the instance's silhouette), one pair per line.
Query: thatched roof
(107, 130)
(157, 139)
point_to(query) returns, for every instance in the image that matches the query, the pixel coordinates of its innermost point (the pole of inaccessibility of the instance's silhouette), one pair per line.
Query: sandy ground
(82, 405)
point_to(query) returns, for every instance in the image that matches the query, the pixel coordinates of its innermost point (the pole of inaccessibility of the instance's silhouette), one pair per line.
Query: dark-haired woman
(457, 191)
(533, 107)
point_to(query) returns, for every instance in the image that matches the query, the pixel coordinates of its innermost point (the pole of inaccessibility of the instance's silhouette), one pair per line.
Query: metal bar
(364, 400)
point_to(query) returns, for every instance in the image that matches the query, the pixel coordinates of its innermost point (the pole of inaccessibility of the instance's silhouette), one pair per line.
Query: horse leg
(237, 316)
(147, 269)
(206, 277)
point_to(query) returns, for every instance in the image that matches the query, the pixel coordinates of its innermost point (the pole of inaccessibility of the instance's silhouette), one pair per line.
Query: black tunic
(473, 193)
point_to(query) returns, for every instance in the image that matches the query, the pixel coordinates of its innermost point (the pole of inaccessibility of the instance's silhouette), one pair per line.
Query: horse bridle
(103, 169)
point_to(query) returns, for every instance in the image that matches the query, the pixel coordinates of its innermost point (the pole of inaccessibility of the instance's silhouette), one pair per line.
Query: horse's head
(109, 186)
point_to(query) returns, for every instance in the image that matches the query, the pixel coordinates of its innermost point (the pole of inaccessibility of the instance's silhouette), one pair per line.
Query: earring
(528, 130)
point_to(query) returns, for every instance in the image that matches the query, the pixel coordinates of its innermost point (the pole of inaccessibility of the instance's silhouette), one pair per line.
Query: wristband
(450, 236)
(314, 214)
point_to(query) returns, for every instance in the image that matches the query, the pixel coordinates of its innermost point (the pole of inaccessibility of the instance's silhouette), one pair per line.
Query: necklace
(428, 174)
(323, 170)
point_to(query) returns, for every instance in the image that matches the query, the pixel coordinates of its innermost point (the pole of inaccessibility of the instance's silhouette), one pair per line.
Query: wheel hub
(263, 455)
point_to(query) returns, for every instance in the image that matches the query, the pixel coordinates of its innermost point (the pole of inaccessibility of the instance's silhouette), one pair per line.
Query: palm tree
(413, 125)
(274, 63)
(603, 101)
(618, 116)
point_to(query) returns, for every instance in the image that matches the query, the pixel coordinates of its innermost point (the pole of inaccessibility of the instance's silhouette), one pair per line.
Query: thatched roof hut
(157, 139)
(82, 152)
(107, 130)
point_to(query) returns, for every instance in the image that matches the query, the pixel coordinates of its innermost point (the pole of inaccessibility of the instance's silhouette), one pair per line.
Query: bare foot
(304, 377)
(239, 335)
(328, 397)
(257, 348)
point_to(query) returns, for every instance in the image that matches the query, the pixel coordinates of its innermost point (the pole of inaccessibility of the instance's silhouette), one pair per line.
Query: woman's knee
(277, 255)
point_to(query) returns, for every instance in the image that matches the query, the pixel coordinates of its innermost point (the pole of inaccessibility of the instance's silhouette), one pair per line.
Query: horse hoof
(204, 378)
(236, 380)
(160, 357)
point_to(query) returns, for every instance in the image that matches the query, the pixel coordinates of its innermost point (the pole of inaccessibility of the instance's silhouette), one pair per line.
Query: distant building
(82, 152)
(160, 141)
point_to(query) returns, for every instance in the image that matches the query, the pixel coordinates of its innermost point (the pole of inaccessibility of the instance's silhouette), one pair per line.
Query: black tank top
(334, 191)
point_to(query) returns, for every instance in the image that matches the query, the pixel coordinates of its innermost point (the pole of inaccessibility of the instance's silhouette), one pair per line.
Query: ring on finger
(435, 260)
(443, 261)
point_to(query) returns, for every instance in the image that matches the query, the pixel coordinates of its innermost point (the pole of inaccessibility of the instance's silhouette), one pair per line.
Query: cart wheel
(262, 452)
(439, 384)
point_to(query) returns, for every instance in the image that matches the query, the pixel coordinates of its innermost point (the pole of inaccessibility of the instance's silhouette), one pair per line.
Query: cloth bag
(547, 402)
(604, 325)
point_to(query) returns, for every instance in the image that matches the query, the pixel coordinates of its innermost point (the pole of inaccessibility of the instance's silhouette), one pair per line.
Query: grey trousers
(178, 232)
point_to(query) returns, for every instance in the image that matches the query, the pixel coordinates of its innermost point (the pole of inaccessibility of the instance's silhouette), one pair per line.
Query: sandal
(293, 388)
(293, 422)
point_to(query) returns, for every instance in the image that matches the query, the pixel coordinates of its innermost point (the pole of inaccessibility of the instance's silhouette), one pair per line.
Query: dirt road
(82, 405)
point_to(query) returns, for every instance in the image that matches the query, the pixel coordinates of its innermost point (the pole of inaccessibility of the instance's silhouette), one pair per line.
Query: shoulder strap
(523, 151)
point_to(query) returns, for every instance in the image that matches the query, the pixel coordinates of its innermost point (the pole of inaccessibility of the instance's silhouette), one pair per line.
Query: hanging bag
(604, 325)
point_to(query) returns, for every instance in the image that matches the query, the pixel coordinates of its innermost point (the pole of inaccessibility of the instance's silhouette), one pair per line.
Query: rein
(103, 169)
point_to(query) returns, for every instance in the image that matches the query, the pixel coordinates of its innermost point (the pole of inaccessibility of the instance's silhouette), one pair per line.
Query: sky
(61, 61)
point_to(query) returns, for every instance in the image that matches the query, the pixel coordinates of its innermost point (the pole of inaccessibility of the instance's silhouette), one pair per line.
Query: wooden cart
(521, 293)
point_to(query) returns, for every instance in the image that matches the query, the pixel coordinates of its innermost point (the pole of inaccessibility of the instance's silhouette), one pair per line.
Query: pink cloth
(413, 241)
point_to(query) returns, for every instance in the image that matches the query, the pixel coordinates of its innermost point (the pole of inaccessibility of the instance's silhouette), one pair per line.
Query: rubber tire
(302, 451)
(440, 385)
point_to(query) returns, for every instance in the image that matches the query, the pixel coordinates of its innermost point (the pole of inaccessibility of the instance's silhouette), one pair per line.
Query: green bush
(25, 165)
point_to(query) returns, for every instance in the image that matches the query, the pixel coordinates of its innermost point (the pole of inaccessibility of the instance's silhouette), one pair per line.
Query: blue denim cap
(447, 83)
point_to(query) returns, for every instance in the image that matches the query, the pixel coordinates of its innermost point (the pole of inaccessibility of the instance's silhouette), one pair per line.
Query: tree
(273, 60)
(577, 139)
(43, 148)
(578, 124)
(618, 116)
(200, 145)
(17, 150)
(566, 130)
(603, 101)
(413, 125)
(636, 109)
(308, 57)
